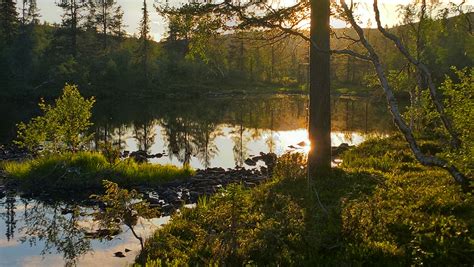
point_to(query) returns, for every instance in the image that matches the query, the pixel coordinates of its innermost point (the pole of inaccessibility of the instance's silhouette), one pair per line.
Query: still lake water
(35, 233)
(216, 132)
(204, 132)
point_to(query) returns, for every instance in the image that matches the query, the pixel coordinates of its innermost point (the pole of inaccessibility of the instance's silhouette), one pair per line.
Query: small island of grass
(69, 172)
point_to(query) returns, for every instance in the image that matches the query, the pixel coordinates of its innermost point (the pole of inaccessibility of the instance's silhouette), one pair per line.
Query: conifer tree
(144, 40)
(29, 12)
(117, 23)
(106, 17)
(71, 20)
(33, 12)
(8, 20)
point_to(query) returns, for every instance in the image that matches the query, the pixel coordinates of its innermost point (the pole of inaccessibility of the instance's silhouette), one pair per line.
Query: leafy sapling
(122, 207)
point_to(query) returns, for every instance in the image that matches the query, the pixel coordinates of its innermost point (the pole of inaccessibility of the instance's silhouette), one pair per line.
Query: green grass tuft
(86, 170)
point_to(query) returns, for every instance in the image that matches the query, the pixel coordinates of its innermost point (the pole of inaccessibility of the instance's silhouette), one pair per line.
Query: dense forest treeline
(91, 48)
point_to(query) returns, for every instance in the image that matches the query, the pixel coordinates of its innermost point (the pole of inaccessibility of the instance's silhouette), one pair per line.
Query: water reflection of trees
(271, 110)
(240, 140)
(205, 141)
(60, 233)
(144, 133)
(59, 228)
(361, 115)
(9, 216)
(119, 136)
(185, 137)
(114, 134)
(190, 127)
(240, 148)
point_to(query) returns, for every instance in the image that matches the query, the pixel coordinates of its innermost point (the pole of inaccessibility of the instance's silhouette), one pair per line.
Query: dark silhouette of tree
(106, 16)
(33, 12)
(25, 42)
(8, 20)
(117, 25)
(71, 21)
(144, 46)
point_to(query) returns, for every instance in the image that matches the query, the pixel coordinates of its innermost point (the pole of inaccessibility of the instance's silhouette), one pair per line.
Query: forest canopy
(94, 51)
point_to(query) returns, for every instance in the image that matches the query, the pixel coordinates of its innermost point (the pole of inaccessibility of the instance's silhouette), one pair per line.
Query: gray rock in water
(139, 156)
(337, 151)
(153, 200)
(119, 254)
(302, 143)
(250, 162)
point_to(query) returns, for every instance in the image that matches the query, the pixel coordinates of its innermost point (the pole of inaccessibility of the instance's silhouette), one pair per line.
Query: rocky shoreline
(171, 196)
(12, 152)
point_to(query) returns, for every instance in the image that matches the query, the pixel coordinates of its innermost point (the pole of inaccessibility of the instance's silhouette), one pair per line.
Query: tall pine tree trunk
(319, 158)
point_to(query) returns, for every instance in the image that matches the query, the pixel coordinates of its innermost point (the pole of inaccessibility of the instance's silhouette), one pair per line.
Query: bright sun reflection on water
(234, 145)
(299, 140)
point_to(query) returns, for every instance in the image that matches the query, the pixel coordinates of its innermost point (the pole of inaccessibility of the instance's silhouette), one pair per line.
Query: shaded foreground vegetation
(380, 207)
(83, 172)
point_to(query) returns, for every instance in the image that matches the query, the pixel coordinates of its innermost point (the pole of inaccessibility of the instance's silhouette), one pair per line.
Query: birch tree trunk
(393, 105)
(425, 74)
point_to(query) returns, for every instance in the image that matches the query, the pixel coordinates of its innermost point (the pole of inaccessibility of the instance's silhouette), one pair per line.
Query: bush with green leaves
(459, 102)
(458, 95)
(62, 127)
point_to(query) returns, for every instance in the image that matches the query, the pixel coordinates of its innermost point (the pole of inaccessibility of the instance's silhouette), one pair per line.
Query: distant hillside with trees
(91, 48)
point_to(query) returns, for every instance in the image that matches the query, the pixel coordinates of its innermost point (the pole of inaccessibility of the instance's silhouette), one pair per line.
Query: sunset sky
(51, 13)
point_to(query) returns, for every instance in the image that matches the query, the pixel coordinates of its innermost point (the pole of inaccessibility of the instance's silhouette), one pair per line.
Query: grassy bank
(85, 171)
(380, 208)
